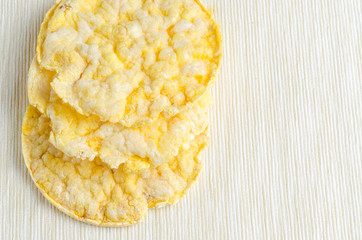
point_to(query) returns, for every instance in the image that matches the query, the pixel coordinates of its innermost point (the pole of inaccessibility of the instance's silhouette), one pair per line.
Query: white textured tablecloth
(286, 153)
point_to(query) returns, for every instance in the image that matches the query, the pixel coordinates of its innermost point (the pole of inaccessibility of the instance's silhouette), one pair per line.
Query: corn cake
(87, 137)
(94, 193)
(129, 61)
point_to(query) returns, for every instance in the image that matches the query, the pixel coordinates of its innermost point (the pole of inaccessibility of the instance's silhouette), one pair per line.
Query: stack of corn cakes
(118, 92)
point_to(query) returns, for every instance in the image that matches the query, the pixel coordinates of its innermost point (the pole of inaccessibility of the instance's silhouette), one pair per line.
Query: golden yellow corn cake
(87, 137)
(129, 61)
(93, 192)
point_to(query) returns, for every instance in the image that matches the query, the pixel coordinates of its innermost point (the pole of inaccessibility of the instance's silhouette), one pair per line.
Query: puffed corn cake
(87, 137)
(94, 193)
(129, 61)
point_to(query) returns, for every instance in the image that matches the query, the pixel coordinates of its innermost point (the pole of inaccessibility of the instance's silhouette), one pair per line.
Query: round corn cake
(87, 137)
(94, 193)
(129, 62)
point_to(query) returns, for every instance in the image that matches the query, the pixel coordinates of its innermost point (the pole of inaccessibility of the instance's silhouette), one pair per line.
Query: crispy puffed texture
(130, 61)
(94, 193)
(87, 137)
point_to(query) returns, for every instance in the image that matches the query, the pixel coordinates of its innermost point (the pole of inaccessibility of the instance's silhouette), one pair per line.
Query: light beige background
(286, 153)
